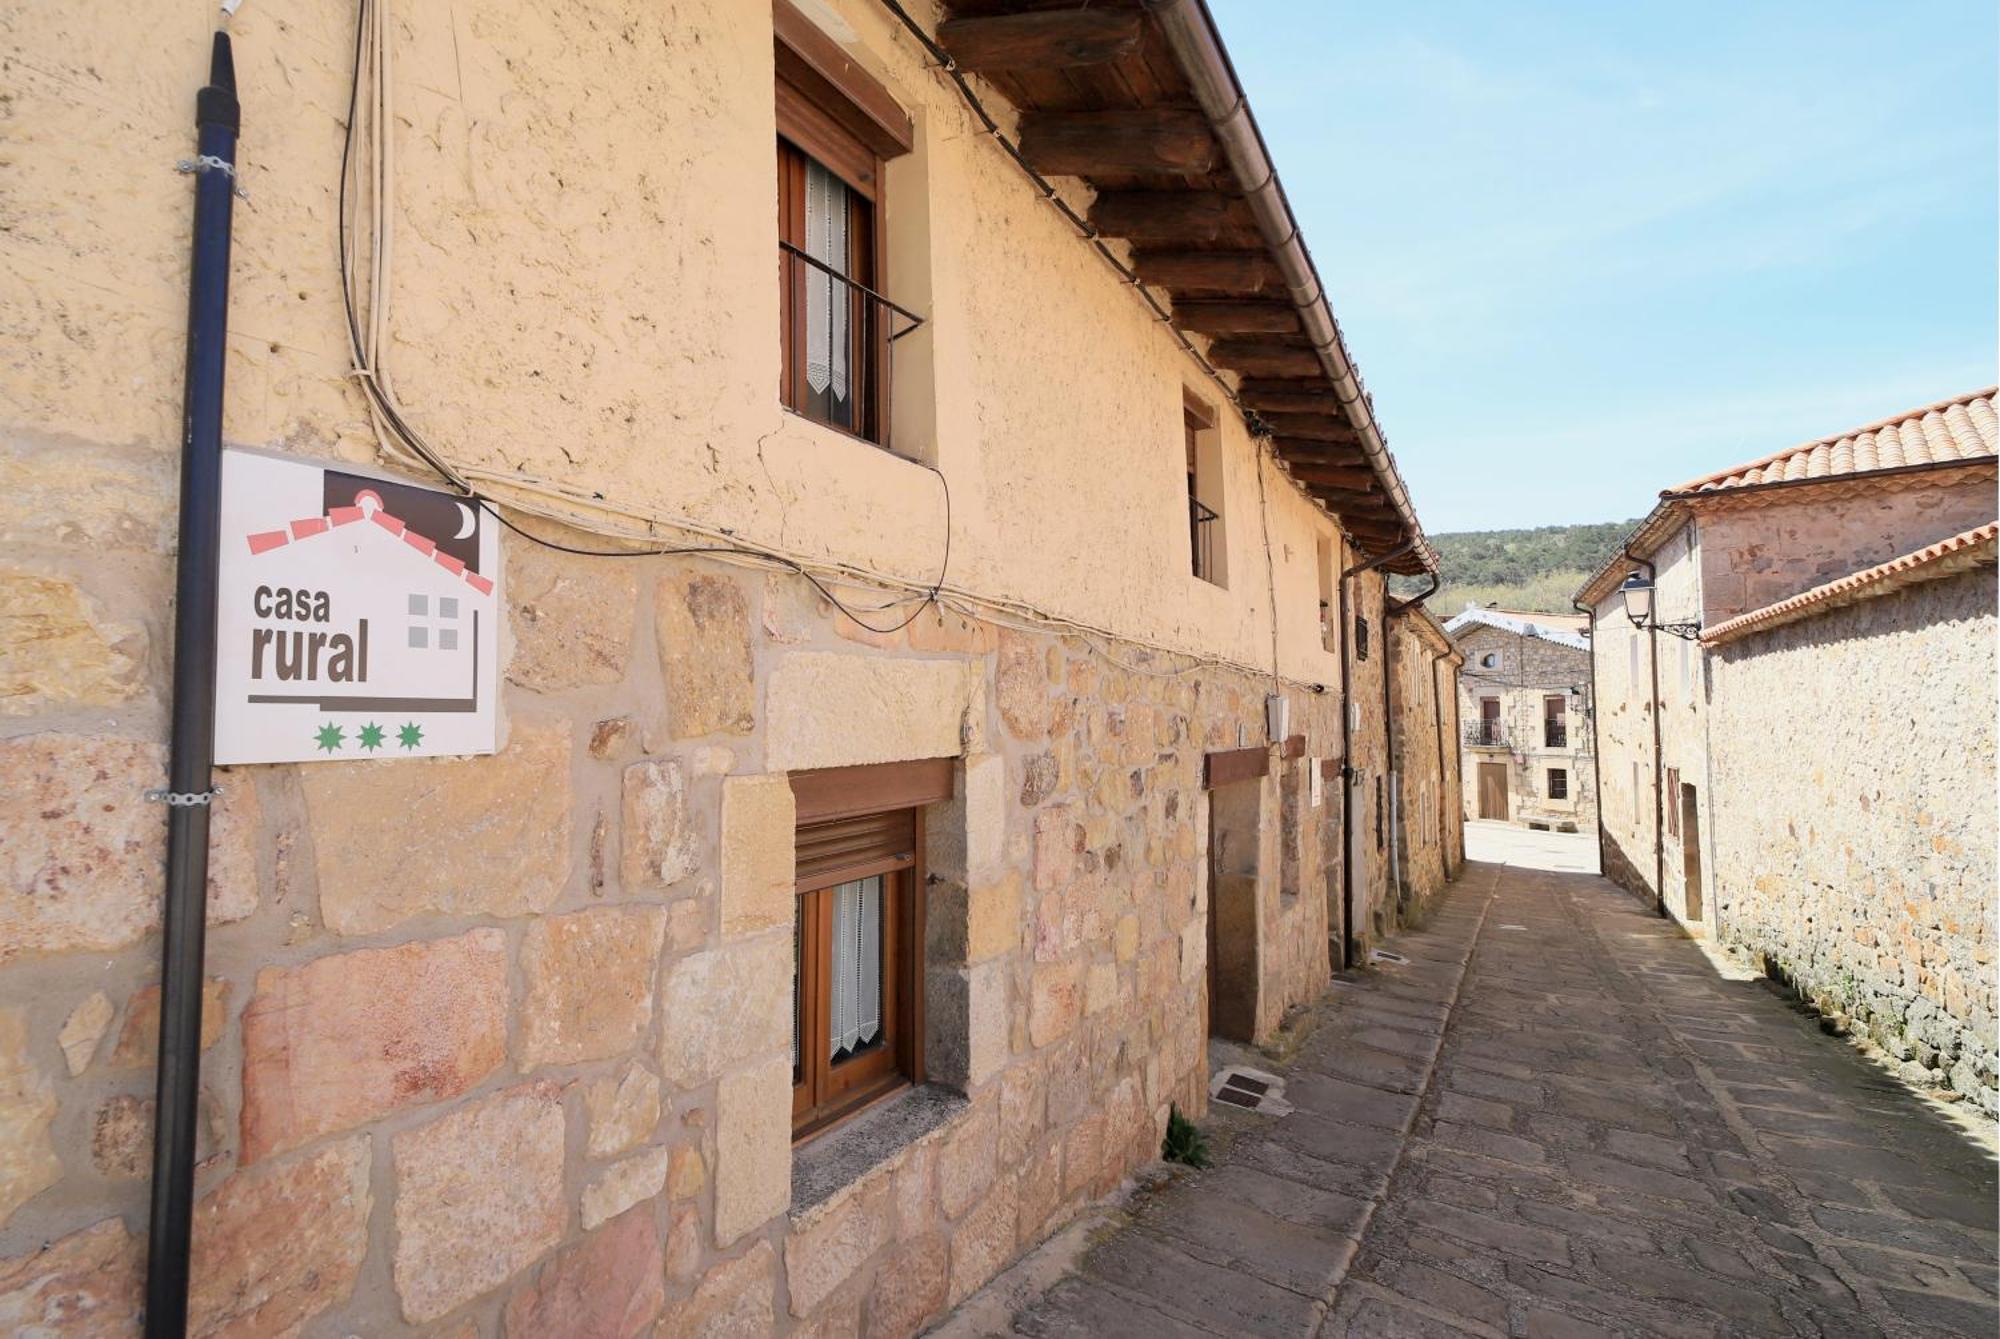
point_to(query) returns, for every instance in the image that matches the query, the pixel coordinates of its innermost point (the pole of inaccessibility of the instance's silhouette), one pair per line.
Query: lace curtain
(826, 309)
(857, 966)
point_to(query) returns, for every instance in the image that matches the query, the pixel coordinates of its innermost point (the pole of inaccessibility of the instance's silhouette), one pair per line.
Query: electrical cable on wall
(571, 506)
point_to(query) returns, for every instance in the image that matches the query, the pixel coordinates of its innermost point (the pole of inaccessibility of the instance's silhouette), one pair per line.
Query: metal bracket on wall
(210, 163)
(179, 799)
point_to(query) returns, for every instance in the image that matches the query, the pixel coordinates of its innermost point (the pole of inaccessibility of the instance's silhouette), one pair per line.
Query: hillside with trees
(1537, 570)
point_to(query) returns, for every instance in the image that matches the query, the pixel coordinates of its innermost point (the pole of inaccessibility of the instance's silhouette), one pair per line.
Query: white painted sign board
(357, 616)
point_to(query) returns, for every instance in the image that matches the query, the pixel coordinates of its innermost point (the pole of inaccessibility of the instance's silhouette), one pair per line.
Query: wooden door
(1691, 851)
(1493, 790)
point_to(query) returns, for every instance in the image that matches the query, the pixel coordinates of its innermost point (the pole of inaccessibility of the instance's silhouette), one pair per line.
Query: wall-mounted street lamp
(1638, 593)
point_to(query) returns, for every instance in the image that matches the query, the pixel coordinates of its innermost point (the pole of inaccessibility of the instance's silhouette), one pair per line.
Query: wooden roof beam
(1237, 318)
(1049, 39)
(1331, 476)
(1145, 141)
(1310, 427)
(1234, 272)
(1256, 357)
(1171, 216)
(1344, 501)
(1290, 397)
(1308, 452)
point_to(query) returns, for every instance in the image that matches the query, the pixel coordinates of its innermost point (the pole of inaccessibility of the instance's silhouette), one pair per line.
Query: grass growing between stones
(1184, 1143)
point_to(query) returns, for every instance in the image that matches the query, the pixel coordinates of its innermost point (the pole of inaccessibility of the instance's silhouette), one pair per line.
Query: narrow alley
(1556, 1118)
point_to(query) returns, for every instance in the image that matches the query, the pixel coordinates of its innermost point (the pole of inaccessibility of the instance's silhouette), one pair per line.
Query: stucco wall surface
(1854, 782)
(585, 236)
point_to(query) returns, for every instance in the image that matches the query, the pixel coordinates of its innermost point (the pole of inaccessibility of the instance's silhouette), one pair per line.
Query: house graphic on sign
(357, 612)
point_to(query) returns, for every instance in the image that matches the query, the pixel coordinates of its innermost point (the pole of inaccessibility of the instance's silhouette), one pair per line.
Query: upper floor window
(1360, 637)
(837, 126)
(1491, 660)
(1329, 625)
(1206, 548)
(1555, 721)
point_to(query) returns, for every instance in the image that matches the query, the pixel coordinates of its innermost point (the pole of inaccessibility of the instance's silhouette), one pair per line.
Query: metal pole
(217, 120)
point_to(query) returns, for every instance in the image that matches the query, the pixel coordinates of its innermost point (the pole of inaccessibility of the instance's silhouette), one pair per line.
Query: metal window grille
(1201, 538)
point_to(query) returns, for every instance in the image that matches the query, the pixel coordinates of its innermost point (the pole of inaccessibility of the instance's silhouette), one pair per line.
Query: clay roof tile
(1957, 429)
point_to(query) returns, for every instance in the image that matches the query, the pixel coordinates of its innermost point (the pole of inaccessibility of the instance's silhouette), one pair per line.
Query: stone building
(983, 757)
(1806, 769)
(1524, 696)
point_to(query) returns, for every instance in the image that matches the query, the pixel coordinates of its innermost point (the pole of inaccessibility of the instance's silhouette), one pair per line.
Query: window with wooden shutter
(857, 936)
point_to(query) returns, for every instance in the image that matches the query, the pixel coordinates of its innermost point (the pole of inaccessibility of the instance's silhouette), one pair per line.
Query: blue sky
(1584, 251)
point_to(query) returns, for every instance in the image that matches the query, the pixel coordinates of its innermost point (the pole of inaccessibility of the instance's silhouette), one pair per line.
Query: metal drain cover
(1249, 1089)
(1384, 955)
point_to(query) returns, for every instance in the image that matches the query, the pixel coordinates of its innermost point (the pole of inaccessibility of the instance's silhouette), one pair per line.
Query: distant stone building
(1524, 698)
(1797, 747)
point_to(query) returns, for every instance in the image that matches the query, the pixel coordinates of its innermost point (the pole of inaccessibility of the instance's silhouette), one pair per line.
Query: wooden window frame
(1197, 418)
(1555, 772)
(825, 1094)
(868, 357)
(1673, 788)
(831, 110)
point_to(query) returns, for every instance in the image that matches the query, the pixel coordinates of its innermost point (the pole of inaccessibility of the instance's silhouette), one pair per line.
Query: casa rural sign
(357, 616)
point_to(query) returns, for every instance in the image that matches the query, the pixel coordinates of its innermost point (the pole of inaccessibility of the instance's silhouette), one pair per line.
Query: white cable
(560, 503)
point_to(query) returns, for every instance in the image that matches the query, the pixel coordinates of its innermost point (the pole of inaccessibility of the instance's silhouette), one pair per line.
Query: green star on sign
(371, 736)
(329, 737)
(410, 736)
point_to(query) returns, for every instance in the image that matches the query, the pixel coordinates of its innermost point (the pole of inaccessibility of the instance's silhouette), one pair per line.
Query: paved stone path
(1555, 1120)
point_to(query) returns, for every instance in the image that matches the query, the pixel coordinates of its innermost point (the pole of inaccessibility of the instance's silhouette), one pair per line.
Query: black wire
(410, 438)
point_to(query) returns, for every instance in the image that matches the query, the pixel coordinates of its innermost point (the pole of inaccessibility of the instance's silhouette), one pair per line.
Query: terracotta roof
(1944, 558)
(308, 526)
(1964, 430)
(1937, 434)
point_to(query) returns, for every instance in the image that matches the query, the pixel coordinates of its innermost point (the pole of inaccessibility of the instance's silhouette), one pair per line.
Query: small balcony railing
(1555, 734)
(1201, 539)
(839, 341)
(1485, 734)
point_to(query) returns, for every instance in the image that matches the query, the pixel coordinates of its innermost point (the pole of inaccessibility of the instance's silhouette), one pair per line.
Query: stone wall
(1372, 913)
(549, 1048)
(1854, 780)
(1525, 670)
(1634, 765)
(1423, 692)
(1762, 546)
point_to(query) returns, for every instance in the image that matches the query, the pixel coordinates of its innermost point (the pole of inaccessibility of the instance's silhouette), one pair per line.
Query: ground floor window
(857, 936)
(1558, 783)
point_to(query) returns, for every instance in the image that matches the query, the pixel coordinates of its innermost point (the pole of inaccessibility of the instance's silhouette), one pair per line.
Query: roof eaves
(1657, 527)
(1197, 46)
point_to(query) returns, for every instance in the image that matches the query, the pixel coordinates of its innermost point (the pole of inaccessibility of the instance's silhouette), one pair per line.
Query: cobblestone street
(1555, 1119)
